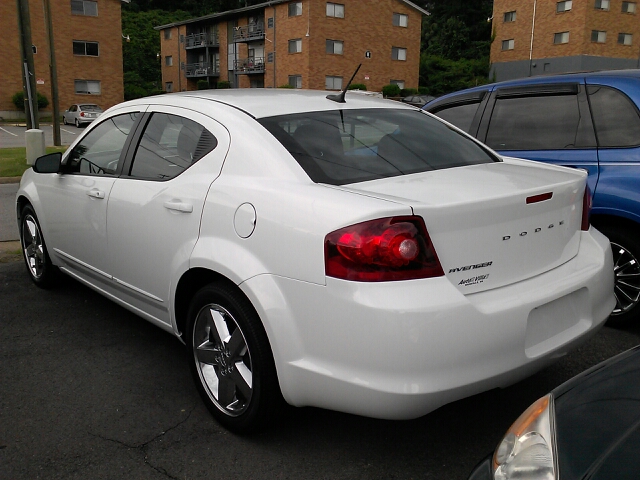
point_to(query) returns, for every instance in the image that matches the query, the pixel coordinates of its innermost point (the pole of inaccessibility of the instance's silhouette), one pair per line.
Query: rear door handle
(95, 193)
(178, 206)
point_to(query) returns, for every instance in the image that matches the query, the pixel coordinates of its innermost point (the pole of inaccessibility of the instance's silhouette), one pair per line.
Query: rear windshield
(91, 108)
(348, 146)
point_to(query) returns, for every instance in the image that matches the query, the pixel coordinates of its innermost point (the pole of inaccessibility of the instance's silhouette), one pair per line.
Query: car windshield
(348, 146)
(90, 108)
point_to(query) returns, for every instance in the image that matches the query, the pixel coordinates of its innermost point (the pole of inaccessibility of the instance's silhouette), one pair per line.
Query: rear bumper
(399, 350)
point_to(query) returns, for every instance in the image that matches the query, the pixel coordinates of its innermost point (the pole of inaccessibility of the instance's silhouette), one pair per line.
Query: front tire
(230, 358)
(34, 249)
(625, 246)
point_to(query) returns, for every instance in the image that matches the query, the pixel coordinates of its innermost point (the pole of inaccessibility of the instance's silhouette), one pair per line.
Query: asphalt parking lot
(12, 136)
(91, 391)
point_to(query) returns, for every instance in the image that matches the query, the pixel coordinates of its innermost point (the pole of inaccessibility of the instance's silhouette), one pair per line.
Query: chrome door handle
(178, 206)
(95, 193)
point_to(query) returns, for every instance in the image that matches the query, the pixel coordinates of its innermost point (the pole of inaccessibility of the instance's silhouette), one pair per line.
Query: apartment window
(335, 10)
(508, 44)
(270, 22)
(295, 9)
(333, 83)
(84, 7)
(510, 16)
(168, 87)
(399, 83)
(602, 5)
(295, 45)
(295, 81)
(89, 49)
(91, 87)
(398, 53)
(628, 7)
(168, 61)
(167, 34)
(34, 49)
(400, 20)
(598, 36)
(270, 57)
(562, 37)
(334, 47)
(564, 6)
(625, 39)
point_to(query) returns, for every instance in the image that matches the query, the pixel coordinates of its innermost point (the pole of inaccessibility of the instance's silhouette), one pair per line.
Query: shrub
(405, 92)
(391, 90)
(202, 84)
(134, 91)
(423, 91)
(286, 85)
(224, 84)
(18, 101)
(358, 86)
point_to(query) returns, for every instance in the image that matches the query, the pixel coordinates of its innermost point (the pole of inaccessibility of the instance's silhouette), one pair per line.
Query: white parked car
(362, 256)
(81, 114)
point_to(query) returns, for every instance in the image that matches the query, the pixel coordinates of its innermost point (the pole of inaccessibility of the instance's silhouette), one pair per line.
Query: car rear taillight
(394, 248)
(587, 203)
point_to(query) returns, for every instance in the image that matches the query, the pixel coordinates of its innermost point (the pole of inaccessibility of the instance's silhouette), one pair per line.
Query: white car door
(76, 200)
(155, 206)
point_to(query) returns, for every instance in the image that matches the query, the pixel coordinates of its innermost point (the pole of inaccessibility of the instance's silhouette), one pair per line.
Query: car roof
(261, 103)
(542, 79)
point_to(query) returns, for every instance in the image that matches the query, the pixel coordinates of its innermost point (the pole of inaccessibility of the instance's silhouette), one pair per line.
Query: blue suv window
(615, 117)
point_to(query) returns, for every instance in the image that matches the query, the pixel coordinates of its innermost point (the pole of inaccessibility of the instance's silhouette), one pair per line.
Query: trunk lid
(485, 233)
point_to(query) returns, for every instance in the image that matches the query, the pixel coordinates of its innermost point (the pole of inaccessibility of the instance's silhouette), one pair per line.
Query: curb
(10, 180)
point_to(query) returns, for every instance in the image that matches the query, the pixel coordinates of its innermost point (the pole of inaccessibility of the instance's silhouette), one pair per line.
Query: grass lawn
(13, 161)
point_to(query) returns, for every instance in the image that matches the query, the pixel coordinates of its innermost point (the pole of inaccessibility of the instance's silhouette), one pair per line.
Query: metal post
(54, 74)
(24, 27)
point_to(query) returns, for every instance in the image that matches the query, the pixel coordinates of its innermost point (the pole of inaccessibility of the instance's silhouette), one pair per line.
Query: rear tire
(34, 249)
(230, 359)
(625, 245)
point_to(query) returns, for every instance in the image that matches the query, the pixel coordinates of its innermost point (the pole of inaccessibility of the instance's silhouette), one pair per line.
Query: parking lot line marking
(68, 131)
(8, 132)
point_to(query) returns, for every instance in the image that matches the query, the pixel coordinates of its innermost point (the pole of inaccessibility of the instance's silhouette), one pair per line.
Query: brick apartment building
(311, 44)
(534, 37)
(88, 47)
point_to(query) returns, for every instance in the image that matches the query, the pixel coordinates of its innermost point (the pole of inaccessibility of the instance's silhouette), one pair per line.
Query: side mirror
(49, 163)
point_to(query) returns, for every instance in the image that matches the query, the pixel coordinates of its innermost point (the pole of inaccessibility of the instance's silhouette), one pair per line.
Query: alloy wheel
(627, 279)
(223, 360)
(33, 246)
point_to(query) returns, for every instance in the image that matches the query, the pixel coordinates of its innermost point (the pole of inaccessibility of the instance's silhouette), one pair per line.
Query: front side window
(400, 20)
(99, 152)
(625, 39)
(84, 7)
(90, 49)
(295, 81)
(602, 5)
(349, 146)
(628, 7)
(333, 83)
(598, 36)
(398, 53)
(90, 87)
(614, 116)
(564, 6)
(510, 16)
(508, 44)
(561, 37)
(295, 45)
(170, 144)
(334, 47)
(335, 10)
(550, 122)
(295, 9)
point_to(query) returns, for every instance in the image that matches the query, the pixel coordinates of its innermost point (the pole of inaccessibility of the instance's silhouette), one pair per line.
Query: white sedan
(362, 256)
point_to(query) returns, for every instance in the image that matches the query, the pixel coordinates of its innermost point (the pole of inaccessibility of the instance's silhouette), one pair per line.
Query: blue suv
(580, 120)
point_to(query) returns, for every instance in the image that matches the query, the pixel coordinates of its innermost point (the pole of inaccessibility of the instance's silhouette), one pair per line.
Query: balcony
(247, 66)
(248, 33)
(200, 40)
(202, 69)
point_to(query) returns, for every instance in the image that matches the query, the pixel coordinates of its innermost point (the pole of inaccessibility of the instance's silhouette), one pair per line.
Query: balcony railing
(201, 40)
(201, 69)
(248, 33)
(249, 65)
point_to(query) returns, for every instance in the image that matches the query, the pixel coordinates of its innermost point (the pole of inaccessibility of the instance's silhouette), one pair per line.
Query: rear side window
(348, 146)
(549, 122)
(459, 115)
(615, 117)
(170, 144)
